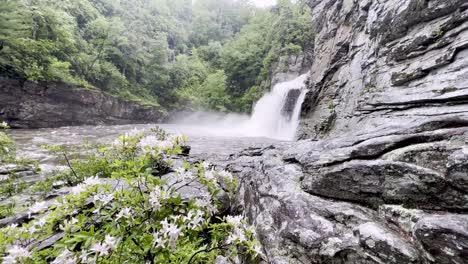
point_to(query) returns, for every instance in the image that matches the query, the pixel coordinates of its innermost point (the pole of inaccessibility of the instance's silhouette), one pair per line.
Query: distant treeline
(213, 54)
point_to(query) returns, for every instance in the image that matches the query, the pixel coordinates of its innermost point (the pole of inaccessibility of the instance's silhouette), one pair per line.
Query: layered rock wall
(383, 174)
(386, 64)
(25, 104)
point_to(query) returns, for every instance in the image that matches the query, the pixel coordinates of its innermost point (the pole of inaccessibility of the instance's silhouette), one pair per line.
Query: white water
(267, 119)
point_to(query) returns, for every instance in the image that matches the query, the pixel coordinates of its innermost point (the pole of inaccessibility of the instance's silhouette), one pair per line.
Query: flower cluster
(139, 218)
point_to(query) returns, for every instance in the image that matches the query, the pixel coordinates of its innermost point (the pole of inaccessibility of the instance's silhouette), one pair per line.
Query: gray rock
(445, 237)
(25, 104)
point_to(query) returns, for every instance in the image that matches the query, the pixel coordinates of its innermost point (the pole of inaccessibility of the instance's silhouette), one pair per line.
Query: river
(204, 141)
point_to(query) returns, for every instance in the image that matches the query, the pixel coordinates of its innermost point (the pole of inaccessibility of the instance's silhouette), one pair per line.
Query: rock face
(45, 104)
(386, 64)
(289, 67)
(383, 174)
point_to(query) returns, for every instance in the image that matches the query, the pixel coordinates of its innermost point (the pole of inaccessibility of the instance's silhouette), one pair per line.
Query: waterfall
(276, 114)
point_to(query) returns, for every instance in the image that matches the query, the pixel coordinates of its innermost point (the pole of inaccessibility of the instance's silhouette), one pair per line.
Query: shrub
(136, 216)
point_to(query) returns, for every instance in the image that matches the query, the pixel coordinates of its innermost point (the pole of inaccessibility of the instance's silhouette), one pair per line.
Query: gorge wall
(26, 104)
(383, 174)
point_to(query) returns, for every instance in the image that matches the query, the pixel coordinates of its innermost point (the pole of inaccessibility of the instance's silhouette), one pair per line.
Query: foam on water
(267, 120)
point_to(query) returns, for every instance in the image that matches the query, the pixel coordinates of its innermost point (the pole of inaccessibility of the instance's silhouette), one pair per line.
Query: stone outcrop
(384, 64)
(382, 173)
(369, 199)
(25, 104)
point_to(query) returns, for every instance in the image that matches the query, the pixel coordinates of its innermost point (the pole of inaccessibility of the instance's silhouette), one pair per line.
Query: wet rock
(25, 104)
(290, 103)
(445, 237)
(353, 199)
(387, 246)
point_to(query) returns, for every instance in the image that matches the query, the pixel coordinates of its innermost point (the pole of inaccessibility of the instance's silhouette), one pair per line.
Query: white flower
(16, 253)
(38, 207)
(210, 175)
(257, 248)
(58, 183)
(68, 223)
(206, 204)
(194, 219)
(184, 174)
(84, 256)
(103, 198)
(11, 226)
(236, 221)
(174, 233)
(33, 229)
(165, 144)
(65, 257)
(176, 138)
(205, 164)
(158, 241)
(76, 190)
(148, 142)
(4, 124)
(125, 213)
(91, 181)
(225, 174)
(9, 260)
(180, 170)
(4, 177)
(111, 241)
(100, 248)
(41, 222)
(155, 198)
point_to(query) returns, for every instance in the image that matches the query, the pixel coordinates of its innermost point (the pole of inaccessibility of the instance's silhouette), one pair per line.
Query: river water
(204, 141)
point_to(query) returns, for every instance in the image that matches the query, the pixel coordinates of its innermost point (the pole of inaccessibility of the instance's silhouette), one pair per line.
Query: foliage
(158, 50)
(129, 212)
(7, 146)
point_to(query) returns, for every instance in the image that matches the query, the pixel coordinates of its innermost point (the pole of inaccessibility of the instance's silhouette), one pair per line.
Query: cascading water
(276, 114)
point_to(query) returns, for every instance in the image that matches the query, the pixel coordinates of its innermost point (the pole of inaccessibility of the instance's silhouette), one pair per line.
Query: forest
(206, 55)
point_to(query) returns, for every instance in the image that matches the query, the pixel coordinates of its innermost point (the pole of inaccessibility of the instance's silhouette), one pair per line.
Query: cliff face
(383, 177)
(45, 104)
(381, 65)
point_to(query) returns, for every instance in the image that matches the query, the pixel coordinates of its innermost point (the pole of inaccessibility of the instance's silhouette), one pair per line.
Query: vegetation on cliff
(211, 54)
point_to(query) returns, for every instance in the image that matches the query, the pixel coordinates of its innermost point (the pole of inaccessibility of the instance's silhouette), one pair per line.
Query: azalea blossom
(158, 241)
(38, 207)
(206, 204)
(173, 232)
(184, 174)
(68, 223)
(205, 164)
(257, 248)
(111, 241)
(236, 221)
(65, 257)
(103, 198)
(180, 170)
(16, 254)
(100, 249)
(78, 189)
(225, 175)
(210, 175)
(92, 181)
(124, 213)
(194, 219)
(148, 142)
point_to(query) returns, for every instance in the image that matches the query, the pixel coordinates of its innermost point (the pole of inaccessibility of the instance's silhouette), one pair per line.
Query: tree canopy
(168, 52)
